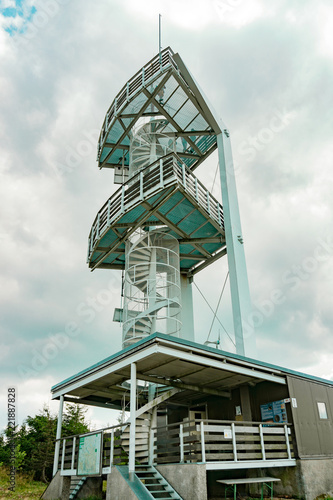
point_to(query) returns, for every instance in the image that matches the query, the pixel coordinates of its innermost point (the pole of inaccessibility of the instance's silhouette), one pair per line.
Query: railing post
(184, 175)
(115, 107)
(73, 453)
(122, 199)
(161, 173)
(208, 202)
(143, 77)
(98, 221)
(203, 451)
(141, 185)
(151, 447)
(287, 441)
(127, 91)
(111, 447)
(108, 213)
(63, 454)
(181, 440)
(219, 214)
(196, 190)
(234, 441)
(262, 442)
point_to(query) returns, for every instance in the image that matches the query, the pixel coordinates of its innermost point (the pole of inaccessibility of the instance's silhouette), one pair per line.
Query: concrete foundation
(189, 480)
(317, 477)
(58, 489)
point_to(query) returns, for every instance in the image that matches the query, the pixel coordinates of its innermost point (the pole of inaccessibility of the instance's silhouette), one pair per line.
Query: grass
(25, 487)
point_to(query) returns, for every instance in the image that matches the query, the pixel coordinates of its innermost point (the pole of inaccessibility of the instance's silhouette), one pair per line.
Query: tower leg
(131, 458)
(187, 331)
(58, 436)
(239, 286)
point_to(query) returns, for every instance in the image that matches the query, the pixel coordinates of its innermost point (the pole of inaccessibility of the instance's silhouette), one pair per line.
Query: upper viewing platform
(162, 89)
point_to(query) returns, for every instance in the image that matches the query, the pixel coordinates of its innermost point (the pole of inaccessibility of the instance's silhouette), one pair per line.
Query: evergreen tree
(35, 439)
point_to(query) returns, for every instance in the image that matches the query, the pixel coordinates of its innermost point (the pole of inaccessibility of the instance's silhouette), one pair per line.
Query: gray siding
(314, 436)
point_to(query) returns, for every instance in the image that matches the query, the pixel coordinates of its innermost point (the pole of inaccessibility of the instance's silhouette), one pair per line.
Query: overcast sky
(267, 67)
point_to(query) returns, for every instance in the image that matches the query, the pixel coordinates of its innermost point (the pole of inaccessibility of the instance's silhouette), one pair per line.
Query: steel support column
(131, 459)
(58, 436)
(187, 331)
(239, 286)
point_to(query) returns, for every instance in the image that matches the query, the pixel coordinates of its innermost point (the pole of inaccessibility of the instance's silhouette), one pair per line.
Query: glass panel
(186, 114)
(322, 410)
(115, 133)
(135, 105)
(175, 101)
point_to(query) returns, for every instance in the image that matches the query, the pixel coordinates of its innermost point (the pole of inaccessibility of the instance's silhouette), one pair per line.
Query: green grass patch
(25, 487)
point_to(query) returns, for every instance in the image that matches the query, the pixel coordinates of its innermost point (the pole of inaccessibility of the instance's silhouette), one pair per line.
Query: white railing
(161, 174)
(222, 441)
(132, 87)
(113, 450)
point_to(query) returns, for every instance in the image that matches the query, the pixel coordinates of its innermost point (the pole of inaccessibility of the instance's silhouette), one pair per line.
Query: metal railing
(164, 172)
(222, 441)
(113, 450)
(133, 86)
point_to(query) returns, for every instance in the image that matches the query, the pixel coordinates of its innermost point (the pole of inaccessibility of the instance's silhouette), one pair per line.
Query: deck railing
(161, 174)
(142, 78)
(114, 450)
(222, 441)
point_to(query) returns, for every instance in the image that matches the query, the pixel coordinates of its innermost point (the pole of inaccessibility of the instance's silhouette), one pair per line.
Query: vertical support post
(181, 442)
(73, 453)
(187, 331)
(161, 173)
(208, 202)
(63, 454)
(97, 224)
(111, 447)
(203, 451)
(234, 447)
(131, 460)
(58, 436)
(108, 212)
(153, 423)
(184, 175)
(127, 91)
(262, 442)
(160, 38)
(239, 286)
(122, 199)
(287, 441)
(141, 185)
(196, 190)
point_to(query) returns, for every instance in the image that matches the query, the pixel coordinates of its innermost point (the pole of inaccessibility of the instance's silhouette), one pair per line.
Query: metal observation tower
(163, 226)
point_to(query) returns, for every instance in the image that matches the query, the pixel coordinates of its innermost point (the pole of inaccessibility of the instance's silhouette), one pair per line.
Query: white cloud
(58, 85)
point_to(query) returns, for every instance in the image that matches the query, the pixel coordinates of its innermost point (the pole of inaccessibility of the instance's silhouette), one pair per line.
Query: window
(322, 410)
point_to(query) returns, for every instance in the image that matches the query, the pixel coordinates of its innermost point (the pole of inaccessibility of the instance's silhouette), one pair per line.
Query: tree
(73, 421)
(35, 439)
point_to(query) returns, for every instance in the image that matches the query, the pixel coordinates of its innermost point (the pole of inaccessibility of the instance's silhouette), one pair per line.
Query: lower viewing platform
(221, 445)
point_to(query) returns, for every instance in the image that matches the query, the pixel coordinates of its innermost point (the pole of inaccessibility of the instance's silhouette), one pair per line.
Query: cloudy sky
(268, 69)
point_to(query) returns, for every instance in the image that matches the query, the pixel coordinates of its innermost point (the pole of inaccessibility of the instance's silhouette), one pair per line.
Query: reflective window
(322, 410)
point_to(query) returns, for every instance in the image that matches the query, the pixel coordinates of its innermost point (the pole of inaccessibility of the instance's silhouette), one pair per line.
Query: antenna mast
(160, 36)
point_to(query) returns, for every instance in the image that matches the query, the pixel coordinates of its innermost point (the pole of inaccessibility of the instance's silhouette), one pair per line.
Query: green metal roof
(182, 342)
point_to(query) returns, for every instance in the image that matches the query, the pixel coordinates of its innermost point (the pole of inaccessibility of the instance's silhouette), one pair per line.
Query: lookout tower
(197, 414)
(163, 226)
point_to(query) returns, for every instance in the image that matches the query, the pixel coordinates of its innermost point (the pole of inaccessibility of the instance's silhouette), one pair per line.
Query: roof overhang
(196, 369)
